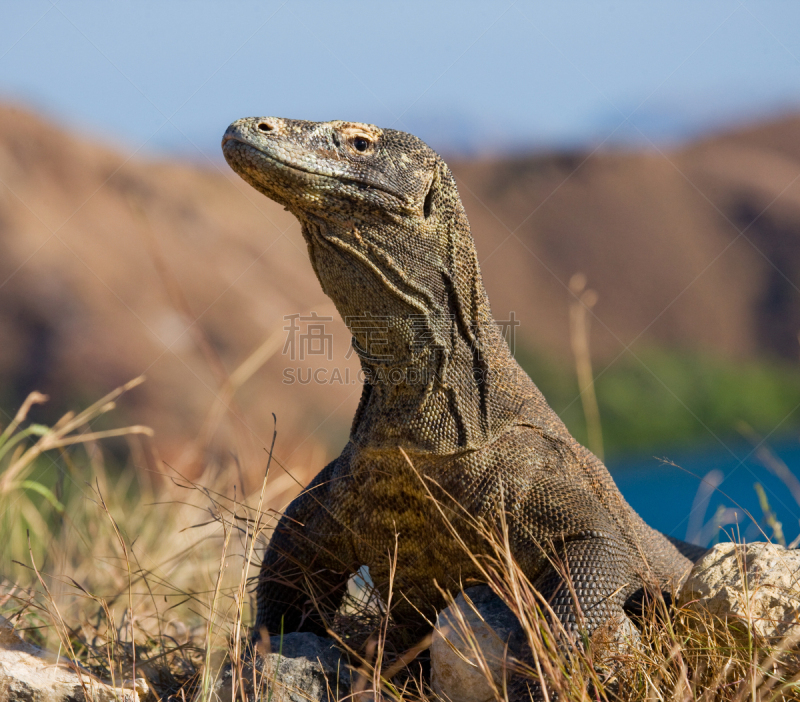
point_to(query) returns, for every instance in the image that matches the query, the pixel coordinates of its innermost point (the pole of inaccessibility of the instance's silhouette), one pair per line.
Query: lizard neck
(439, 376)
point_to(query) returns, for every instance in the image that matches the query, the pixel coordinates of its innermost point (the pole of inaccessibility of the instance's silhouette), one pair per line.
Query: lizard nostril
(264, 127)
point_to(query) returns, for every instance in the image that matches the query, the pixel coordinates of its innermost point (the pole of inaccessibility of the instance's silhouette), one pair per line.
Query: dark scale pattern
(388, 237)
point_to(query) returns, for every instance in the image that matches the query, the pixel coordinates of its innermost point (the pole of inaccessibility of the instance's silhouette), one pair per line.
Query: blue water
(664, 494)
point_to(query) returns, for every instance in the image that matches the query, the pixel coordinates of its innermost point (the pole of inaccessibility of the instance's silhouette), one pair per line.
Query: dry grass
(133, 574)
(681, 655)
(128, 572)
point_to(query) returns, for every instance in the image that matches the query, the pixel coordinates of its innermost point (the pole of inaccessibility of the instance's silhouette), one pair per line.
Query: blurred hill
(113, 266)
(697, 249)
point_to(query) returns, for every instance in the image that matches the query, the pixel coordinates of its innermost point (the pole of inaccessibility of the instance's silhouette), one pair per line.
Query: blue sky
(169, 76)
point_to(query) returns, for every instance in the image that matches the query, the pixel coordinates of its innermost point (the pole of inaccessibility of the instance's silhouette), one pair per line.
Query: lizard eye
(360, 144)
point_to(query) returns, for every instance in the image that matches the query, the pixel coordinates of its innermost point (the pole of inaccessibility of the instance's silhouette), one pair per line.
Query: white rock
(755, 585)
(31, 673)
(303, 668)
(455, 672)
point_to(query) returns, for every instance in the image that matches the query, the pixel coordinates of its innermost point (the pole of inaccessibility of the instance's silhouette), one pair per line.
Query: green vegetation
(115, 567)
(661, 398)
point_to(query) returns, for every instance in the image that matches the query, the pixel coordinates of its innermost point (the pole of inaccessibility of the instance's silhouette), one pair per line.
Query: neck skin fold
(440, 377)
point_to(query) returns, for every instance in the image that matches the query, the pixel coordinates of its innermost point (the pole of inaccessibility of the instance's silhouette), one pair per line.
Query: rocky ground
(749, 591)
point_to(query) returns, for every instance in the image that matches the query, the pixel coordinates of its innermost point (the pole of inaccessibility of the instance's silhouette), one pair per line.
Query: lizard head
(386, 232)
(390, 243)
(379, 211)
(333, 171)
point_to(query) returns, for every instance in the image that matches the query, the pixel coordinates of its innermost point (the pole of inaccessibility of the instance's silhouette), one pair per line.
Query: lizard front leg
(586, 583)
(571, 550)
(307, 564)
(576, 560)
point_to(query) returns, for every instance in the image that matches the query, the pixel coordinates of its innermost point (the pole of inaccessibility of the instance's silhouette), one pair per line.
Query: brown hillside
(115, 267)
(698, 249)
(83, 306)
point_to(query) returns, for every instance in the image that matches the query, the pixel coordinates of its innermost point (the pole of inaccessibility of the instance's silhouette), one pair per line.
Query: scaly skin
(389, 241)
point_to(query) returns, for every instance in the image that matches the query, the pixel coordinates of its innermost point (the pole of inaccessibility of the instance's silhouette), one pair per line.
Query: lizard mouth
(360, 185)
(268, 156)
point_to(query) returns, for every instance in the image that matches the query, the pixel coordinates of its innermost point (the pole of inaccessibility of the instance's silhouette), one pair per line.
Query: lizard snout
(232, 133)
(244, 130)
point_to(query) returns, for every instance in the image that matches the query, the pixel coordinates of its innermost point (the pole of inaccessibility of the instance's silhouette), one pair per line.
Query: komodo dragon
(389, 241)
